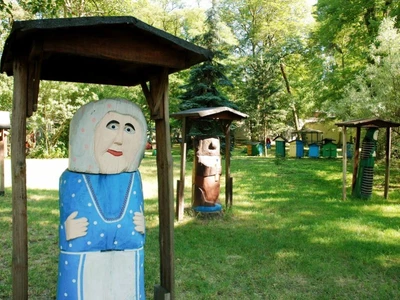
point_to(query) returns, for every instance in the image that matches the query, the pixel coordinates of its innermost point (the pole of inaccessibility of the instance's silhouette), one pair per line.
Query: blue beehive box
(313, 150)
(296, 148)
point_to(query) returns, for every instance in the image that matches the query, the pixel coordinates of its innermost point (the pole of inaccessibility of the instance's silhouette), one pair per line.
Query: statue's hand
(75, 228)
(140, 222)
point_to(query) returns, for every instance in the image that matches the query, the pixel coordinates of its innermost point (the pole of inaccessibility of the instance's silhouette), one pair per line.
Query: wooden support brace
(154, 94)
(34, 69)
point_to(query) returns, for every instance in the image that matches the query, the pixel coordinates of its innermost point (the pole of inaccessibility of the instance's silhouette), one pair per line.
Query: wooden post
(18, 170)
(356, 158)
(159, 94)
(228, 188)
(2, 143)
(344, 154)
(181, 189)
(178, 184)
(231, 190)
(388, 154)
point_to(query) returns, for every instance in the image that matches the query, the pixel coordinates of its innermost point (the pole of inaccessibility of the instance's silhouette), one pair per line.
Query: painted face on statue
(117, 142)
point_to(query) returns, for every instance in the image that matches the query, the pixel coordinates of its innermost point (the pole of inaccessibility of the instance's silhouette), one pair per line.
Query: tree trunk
(293, 107)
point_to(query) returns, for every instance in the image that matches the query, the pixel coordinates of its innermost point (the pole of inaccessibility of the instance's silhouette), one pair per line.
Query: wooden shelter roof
(222, 112)
(307, 130)
(103, 50)
(371, 122)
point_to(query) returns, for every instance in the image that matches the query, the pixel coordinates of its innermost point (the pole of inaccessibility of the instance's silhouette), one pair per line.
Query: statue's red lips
(114, 152)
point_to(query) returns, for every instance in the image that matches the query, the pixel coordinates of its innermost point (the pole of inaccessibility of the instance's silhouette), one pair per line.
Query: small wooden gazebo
(103, 50)
(365, 123)
(225, 116)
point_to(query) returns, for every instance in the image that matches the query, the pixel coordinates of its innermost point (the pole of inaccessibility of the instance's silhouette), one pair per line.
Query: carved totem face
(117, 141)
(107, 137)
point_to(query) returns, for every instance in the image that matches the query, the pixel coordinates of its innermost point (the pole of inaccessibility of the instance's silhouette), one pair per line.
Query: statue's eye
(129, 128)
(113, 125)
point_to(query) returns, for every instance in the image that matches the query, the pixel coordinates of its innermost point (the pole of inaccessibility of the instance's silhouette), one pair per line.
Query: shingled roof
(221, 112)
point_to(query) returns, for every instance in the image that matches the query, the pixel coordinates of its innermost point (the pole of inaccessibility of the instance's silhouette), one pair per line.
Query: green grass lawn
(289, 235)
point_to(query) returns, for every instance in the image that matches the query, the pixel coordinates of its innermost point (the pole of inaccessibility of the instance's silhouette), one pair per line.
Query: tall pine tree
(205, 80)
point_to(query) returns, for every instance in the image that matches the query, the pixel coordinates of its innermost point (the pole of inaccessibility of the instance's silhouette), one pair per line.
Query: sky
(193, 3)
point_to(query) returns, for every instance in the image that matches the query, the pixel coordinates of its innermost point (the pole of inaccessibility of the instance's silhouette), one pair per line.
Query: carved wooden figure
(207, 172)
(102, 226)
(365, 177)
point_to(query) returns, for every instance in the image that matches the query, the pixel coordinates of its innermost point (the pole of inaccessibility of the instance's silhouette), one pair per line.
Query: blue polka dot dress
(107, 262)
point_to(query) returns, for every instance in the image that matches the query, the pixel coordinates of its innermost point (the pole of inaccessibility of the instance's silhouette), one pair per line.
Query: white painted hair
(82, 132)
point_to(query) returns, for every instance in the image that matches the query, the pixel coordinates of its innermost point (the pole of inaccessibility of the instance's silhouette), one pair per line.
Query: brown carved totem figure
(206, 174)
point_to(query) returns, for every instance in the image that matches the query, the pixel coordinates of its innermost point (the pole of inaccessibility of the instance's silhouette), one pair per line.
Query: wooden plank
(388, 155)
(18, 170)
(344, 154)
(113, 47)
(165, 187)
(181, 190)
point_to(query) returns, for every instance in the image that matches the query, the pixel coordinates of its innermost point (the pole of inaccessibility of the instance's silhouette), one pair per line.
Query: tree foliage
(271, 61)
(269, 34)
(204, 82)
(375, 91)
(341, 43)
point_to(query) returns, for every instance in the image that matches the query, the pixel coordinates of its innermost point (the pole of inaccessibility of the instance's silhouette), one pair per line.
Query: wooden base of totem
(208, 215)
(161, 293)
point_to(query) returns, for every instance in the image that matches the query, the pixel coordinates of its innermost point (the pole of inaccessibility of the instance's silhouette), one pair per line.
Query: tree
(269, 33)
(376, 90)
(48, 128)
(341, 43)
(202, 89)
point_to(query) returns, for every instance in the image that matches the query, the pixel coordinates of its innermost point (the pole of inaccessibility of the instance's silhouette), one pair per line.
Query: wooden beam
(154, 95)
(18, 170)
(34, 68)
(180, 207)
(356, 159)
(344, 154)
(118, 47)
(228, 188)
(388, 155)
(165, 186)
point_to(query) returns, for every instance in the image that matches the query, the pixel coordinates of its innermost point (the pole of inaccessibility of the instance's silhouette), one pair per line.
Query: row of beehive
(296, 149)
